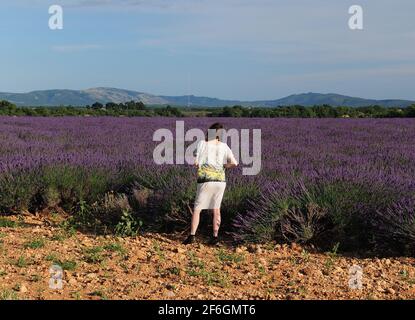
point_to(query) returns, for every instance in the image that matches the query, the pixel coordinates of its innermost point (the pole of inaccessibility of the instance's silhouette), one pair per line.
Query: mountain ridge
(57, 97)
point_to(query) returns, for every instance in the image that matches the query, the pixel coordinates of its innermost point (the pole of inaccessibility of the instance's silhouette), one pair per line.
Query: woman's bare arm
(230, 165)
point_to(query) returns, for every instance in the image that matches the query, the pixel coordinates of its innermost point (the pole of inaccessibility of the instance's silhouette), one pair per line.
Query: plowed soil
(155, 266)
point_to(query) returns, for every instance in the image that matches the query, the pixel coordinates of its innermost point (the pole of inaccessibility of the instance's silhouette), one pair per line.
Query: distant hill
(311, 99)
(104, 95)
(79, 97)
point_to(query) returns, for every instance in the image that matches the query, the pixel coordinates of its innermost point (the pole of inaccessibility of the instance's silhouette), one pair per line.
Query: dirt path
(159, 267)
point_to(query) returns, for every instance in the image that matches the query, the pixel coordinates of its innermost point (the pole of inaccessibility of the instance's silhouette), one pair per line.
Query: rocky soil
(157, 266)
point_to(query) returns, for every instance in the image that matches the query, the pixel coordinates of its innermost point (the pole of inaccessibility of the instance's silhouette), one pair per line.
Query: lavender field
(323, 181)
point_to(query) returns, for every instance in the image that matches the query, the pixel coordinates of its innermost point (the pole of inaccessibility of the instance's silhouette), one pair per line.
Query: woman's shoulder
(223, 145)
(201, 143)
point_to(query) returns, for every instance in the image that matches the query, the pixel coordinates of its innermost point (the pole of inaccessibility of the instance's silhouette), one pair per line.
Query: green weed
(35, 244)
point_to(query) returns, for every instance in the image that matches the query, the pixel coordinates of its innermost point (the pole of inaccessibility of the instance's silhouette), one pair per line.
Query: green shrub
(128, 226)
(68, 185)
(18, 191)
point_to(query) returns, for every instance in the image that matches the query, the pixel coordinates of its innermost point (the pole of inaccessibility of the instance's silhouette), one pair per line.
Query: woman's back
(211, 157)
(213, 153)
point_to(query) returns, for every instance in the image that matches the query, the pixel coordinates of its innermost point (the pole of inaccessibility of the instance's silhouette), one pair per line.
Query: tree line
(139, 109)
(319, 111)
(128, 109)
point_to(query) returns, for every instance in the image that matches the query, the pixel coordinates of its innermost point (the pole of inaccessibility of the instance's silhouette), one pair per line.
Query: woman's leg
(216, 222)
(195, 221)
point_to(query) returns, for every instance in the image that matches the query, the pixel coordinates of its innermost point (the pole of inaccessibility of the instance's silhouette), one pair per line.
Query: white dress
(210, 159)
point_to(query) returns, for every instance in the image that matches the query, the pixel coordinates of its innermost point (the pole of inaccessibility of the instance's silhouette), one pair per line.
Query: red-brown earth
(156, 266)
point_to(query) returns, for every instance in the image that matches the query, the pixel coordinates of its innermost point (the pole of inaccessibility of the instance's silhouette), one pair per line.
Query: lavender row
(322, 180)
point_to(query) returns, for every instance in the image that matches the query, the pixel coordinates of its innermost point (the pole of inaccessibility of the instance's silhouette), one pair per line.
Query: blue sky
(234, 49)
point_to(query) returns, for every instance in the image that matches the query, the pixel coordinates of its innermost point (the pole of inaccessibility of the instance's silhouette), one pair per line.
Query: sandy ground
(157, 266)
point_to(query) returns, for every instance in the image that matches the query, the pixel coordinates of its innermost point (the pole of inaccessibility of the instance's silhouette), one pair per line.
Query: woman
(212, 158)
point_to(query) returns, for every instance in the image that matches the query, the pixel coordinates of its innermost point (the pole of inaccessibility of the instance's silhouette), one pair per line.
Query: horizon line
(207, 96)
